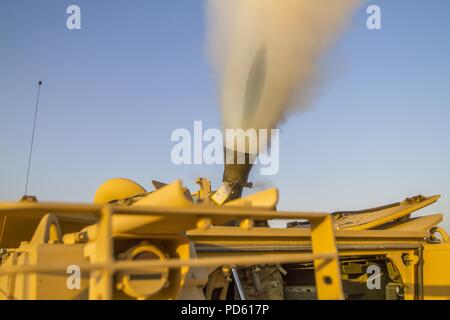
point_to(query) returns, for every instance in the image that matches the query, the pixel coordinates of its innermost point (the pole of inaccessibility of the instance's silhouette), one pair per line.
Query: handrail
(324, 252)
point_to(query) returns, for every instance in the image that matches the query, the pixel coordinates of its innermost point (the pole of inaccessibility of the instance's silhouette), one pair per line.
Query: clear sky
(376, 132)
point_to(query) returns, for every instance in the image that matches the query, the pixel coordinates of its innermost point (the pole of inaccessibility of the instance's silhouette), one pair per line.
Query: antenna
(32, 136)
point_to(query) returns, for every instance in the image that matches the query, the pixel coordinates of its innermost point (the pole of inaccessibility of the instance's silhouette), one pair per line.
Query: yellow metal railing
(324, 252)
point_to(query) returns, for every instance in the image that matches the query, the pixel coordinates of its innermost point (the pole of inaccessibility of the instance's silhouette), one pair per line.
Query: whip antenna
(32, 136)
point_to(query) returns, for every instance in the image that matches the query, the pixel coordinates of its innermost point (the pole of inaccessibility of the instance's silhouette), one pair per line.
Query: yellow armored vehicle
(174, 244)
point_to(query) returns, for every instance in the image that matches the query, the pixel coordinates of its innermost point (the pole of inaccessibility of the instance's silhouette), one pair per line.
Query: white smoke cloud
(267, 52)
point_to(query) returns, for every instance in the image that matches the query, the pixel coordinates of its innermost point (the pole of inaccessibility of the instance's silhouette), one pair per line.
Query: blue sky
(376, 132)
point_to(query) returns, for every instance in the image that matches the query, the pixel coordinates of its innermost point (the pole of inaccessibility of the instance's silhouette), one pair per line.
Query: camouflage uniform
(262, 282)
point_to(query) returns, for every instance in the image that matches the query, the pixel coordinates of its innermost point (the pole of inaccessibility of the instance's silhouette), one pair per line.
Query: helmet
(117, 188)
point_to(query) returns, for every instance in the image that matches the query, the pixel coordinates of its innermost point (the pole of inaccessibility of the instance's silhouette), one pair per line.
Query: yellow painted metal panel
(436, 271)
(372, 219)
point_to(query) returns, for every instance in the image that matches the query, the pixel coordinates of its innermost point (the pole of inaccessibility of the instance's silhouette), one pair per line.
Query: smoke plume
(266, 54)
